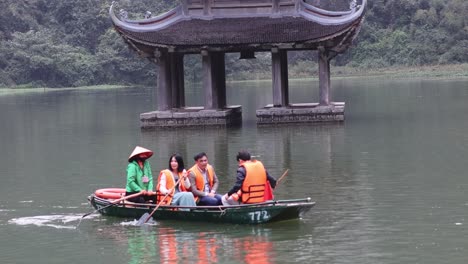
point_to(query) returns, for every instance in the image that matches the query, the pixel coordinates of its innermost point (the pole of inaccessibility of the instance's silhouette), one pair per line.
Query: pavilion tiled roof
(237, 31)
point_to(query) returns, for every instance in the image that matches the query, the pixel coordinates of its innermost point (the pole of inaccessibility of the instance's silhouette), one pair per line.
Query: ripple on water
(54, 221)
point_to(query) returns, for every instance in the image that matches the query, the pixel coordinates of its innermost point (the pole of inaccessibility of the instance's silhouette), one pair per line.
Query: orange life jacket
(199, 179)
(253, 188)
(170, 183)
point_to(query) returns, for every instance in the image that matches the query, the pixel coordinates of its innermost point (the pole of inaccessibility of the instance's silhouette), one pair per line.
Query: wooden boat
(269, 211)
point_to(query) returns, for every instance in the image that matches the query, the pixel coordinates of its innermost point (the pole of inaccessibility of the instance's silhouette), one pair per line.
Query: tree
(35, 58)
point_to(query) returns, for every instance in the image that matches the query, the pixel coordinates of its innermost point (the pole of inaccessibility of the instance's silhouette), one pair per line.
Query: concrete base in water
(192, 116)
(301, 113)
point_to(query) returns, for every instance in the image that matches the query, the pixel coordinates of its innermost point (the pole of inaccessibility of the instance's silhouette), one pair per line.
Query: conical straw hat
(139, 150)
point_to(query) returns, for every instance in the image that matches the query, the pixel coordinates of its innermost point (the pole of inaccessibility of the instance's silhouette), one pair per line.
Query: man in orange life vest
(250, 183)
(204, 181)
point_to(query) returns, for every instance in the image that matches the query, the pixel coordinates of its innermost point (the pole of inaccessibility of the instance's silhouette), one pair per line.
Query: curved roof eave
(175, 15)
(145, 25)
(350, 31)
(325, 17)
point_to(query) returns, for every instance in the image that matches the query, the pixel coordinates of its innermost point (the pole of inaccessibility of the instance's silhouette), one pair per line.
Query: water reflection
(189, 141)
(175, 247)
(194, 243)
(309, 151)
(141, 248)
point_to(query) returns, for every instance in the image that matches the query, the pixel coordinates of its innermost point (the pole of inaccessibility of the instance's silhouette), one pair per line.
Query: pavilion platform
(192, 116)
(301, 113)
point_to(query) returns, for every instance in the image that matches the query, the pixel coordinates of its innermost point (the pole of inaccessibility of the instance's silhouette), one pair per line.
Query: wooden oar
(146, 217)
(282, 176)
(111, 204)
(268, 195)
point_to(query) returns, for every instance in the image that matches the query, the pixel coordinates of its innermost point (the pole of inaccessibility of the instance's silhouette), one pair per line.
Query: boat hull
(271, 211)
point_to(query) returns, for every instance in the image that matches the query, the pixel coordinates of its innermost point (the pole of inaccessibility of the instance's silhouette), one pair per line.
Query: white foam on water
(129, 223)
(30, 201)
(66, 207)
(55, 221)
(134, 222)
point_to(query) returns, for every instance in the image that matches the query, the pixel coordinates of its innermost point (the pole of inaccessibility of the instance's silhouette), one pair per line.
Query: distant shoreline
(424, 72)
(22, 90)
(431, 72)
(452, 71)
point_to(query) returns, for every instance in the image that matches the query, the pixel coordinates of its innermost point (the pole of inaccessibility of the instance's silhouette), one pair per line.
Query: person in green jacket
(139, 176)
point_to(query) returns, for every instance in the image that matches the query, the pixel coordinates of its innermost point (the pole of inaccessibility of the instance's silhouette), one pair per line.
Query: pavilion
(212, 28)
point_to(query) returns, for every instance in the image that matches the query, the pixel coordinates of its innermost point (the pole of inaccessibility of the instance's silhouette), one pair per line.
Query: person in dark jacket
(251, 182)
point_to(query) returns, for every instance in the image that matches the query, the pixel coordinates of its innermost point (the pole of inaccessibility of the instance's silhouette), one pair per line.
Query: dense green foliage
(59, 43)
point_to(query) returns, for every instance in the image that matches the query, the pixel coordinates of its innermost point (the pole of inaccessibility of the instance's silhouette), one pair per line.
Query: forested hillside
(61, 43)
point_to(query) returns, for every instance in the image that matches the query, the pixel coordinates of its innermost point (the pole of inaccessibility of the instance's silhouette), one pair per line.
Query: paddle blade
(143, 219)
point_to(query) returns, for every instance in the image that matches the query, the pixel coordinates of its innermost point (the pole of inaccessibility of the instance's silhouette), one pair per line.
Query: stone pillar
(208, 82)
(220, 77)
(177, 80)
(324, 76)
(214, 79)
(164, 81)
(279, 63)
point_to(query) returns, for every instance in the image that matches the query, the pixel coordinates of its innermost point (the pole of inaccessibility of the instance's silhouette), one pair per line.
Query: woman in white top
(173, 184)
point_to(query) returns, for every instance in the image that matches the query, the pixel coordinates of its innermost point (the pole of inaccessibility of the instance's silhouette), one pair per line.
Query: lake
(390, 183)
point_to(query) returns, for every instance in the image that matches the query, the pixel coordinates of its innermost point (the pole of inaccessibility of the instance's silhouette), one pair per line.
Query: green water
(390, 182)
